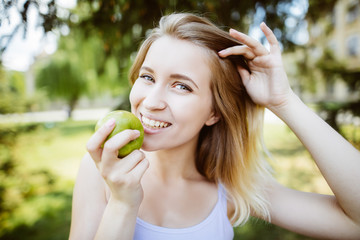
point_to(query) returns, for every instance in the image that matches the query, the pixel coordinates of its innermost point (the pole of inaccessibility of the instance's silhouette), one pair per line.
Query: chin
(150, 147)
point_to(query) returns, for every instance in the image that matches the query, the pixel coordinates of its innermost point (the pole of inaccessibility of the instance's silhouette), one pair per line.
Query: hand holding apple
(124, 120)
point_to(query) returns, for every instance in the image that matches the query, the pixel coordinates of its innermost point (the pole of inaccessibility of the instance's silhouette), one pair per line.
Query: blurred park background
(64, 64)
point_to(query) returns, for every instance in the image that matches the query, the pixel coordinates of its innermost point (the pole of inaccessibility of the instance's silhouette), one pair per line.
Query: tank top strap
(222, 198)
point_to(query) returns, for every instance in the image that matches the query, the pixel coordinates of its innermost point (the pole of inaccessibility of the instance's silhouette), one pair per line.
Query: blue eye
(182, 86)
(147, 77)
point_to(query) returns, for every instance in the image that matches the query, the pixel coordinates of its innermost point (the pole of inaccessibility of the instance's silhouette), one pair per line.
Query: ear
(213, 118)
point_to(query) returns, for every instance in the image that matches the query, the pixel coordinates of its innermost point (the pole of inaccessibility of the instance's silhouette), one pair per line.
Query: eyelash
(182, 85)
(147, 77)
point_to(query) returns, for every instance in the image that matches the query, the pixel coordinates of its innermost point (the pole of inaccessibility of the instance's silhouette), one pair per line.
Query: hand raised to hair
(267, 83)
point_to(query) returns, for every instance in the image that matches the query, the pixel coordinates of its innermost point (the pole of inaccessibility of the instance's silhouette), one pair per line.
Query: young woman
(200, 94)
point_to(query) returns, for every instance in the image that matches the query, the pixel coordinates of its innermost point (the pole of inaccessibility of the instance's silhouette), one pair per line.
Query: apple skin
(124, 120)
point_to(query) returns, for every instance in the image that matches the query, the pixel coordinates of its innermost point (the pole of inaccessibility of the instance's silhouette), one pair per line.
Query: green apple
(124, 120)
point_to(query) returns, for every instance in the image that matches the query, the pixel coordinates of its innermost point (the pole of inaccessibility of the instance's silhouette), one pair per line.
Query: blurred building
(339, 32)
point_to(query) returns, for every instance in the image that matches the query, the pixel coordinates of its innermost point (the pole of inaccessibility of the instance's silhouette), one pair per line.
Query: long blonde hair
(229, 152)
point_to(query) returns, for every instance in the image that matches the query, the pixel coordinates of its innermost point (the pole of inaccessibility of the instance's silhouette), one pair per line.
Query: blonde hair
(229, 152)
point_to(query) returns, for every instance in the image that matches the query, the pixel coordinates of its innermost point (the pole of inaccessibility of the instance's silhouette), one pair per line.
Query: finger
(94, 144)
(121, 166)
(129, 162)
(244, 74)
(112, 146)
(273, 42)
(140, 169)
(238, 50)
(256, 47)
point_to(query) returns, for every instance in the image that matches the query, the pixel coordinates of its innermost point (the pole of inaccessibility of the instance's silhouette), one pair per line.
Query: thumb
(244, 74)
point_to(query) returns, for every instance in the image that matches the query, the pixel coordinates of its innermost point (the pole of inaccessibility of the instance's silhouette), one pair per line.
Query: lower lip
(150, 130)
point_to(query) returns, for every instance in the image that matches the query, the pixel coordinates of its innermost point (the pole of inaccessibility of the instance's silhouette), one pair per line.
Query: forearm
(118, 222)
(337, 159)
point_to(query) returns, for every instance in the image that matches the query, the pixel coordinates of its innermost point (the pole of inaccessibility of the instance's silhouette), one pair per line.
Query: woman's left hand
(267, 83)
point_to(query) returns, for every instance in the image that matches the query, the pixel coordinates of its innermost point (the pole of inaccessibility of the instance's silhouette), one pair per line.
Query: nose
(154, 99)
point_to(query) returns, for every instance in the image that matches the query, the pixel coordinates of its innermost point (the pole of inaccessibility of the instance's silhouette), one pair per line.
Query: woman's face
(172, 95)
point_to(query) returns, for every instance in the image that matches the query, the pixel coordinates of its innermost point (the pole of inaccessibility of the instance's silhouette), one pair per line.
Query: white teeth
(154, 124)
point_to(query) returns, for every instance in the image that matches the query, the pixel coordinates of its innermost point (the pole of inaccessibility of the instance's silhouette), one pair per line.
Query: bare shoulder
(89, 173)
(89, 181)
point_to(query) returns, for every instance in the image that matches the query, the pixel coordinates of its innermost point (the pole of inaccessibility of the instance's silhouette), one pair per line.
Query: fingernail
(110, 122)
(137, 133)
(222, 52)
(232, 31)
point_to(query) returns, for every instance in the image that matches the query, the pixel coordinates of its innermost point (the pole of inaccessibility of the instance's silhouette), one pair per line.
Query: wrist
(123, 207)
(118, 221)
(287, 106)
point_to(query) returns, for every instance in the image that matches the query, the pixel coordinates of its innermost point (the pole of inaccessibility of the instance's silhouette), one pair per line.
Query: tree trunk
(71, 106)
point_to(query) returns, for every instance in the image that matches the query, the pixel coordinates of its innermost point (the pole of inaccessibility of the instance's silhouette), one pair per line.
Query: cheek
(195, 112)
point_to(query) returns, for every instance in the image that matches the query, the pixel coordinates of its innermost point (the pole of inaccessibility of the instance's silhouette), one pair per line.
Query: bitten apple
(124, 120)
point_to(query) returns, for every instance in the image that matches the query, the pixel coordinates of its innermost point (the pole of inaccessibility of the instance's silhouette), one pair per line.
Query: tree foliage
(47, 12)
(12, 92)
(319, 9)
(62, 80)
(122, 24)
(105, 33)
(17, 185)
(74, 70)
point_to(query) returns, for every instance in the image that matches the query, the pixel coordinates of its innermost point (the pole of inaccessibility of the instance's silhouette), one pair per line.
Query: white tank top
(216, 226)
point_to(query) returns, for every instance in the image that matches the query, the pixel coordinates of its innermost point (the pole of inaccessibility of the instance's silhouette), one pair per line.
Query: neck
(174, 164)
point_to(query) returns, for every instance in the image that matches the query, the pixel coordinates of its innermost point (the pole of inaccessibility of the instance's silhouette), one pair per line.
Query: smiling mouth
(154, 123)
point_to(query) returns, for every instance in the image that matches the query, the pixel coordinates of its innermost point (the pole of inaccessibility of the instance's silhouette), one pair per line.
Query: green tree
(74, 70)
(118, 27)
(12, 92)
(121, 25)
(62, 80)
(114, 20)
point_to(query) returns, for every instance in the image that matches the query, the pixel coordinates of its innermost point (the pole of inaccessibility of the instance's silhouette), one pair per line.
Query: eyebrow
(147, 69)
(175, 75)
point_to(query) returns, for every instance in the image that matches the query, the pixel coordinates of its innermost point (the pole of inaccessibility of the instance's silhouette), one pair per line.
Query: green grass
(57, 147)
(49, 157)
(293, 165)
(47, 161)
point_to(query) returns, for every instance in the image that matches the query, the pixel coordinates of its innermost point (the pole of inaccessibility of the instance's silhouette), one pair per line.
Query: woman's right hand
(123, 176)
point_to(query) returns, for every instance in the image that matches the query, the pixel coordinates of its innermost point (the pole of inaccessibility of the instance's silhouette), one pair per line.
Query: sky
(21, 52)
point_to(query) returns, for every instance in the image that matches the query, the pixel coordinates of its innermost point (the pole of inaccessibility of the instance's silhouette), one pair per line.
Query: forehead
(174, 55)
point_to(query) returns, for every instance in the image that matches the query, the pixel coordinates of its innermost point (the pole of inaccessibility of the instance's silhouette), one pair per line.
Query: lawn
(47, 160)
(46, 163)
